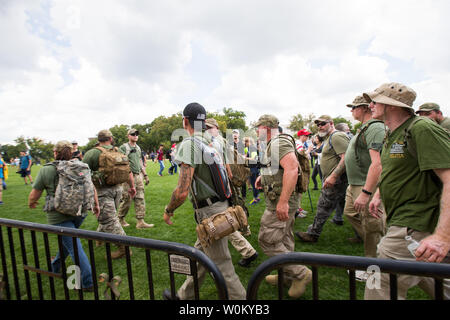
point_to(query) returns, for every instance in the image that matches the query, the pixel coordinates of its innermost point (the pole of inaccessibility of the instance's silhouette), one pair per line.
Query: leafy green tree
(296, 123)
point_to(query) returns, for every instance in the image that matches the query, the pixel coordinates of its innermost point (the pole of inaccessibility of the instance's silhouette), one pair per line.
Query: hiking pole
(310, 201)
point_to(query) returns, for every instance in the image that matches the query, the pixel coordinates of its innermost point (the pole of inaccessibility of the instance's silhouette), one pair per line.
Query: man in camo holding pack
(108, 196)
(279, 174)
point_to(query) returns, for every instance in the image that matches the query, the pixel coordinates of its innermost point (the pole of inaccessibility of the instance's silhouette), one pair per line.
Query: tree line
(151, 135)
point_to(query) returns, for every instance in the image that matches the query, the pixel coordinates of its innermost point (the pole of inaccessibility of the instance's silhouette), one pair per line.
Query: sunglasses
(321, 124)
(355, 107)
(134, 134)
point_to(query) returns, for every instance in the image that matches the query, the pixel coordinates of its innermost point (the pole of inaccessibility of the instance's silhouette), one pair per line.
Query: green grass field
(333, 283)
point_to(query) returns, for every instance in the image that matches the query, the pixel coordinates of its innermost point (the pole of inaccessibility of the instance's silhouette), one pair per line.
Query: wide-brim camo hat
(211, 122)
(426, 107)
(393, 94)
(60, 145)
(268, 120)
(358, 102)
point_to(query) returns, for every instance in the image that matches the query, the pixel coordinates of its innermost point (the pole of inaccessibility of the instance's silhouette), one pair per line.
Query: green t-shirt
(372, 139)
(409, 188)
(188, 152)
(331, 155)
(91, 157)
(272, 172)
(47, 180)
(133, 156)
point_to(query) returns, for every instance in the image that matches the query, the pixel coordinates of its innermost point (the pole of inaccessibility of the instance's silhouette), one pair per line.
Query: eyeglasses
(321, 124)
(134, 134)
(355, 107)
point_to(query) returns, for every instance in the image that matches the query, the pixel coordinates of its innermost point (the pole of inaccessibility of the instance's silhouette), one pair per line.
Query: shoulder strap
(360, 135)
(102, 150)
(408, 140)
(329, 140)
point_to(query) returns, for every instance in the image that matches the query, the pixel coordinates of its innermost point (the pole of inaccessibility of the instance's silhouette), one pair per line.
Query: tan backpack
(114, 166)
(240, 170)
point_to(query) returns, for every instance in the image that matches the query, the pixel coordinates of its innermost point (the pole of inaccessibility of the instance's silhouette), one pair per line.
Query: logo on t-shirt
(397, 151)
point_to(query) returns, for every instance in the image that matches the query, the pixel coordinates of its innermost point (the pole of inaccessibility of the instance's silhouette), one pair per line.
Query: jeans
(161, 166)
(85, 266)
(254, 173)
(316, 171)
(173, 167)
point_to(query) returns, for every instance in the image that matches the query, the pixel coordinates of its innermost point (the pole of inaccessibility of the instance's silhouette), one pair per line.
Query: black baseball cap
(195, 112)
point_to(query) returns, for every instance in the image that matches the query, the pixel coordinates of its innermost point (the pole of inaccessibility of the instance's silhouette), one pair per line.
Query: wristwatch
(366, 192)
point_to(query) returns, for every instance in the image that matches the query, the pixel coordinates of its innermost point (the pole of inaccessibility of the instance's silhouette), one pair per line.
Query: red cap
(173, 146)
(303, 132)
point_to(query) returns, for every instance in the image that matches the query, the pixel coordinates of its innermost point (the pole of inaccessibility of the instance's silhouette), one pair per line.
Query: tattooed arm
(181, 192)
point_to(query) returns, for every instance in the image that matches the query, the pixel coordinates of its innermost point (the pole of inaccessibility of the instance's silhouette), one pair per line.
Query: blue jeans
(161, 166)
(254, 173)
(85, 266)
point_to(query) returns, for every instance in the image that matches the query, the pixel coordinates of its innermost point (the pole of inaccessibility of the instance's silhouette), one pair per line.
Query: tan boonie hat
(359, 101)
(132, 131)
(429, 107)
(323, 118)
(60, 145)
(393, 94)
(211, 122)
(267, 120)
(104, 134)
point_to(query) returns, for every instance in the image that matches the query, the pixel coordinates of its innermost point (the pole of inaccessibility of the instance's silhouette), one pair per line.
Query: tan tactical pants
(369, 228)
(277, 237)
(241, 244)
(139, 199)
(394, 246)
(220, 255)
(109, 198)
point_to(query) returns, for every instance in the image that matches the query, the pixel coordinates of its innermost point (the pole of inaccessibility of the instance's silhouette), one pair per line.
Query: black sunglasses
(321, 124)
(134, 134)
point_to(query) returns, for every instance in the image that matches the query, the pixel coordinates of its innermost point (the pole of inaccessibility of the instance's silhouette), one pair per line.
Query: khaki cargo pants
(394, 246)
(139, 199)
(241, 244)
(218, 252)
(277, 237)
(109, 198)
(369, 228)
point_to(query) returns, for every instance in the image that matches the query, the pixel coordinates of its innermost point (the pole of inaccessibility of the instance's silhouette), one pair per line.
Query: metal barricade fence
(182, 259)
(438, 271)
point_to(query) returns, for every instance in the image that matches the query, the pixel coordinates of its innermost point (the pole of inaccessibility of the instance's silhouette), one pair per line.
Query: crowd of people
(390, 180)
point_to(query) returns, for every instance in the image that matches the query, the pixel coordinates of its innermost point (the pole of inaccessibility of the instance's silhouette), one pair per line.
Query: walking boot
(306, 237)
(142, 225)
(272, 279)
(298, 287)
(123, 223)
(119, 253)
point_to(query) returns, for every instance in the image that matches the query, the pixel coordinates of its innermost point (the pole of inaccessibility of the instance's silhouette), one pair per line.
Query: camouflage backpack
(114, 167)
(239, 169)
(74, 193)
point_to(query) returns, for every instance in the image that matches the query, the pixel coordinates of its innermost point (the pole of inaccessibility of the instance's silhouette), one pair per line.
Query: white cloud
(71, 68)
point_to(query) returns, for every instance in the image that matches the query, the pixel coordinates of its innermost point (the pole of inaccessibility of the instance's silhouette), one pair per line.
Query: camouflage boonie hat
(131, 131)
(323, 118)
(268, 121)
(60, 145)
(104, 134)
(358, 102)
(393, 94)
(429, 107)
(211, 122)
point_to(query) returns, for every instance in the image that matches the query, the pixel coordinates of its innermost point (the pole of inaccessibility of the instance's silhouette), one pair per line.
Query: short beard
(322, 134)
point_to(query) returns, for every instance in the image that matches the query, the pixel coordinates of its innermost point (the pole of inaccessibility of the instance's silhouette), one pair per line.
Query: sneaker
(159, 174)
(254, 201)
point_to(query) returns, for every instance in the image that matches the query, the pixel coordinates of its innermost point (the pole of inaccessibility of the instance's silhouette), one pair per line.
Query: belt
(206, 203)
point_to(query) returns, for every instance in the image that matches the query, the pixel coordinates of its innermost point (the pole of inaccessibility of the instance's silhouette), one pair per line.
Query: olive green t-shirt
(133, 156)
(47, 180)
(272, 172)
(189, 152)
(357, 162)
(91, 157)
(331, 155)
(409, 188)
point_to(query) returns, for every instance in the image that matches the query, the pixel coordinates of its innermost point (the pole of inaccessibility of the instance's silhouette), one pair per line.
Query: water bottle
(412, 246)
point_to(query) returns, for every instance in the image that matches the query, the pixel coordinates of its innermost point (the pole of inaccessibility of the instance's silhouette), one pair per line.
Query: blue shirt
(24, 162)
(1, 169)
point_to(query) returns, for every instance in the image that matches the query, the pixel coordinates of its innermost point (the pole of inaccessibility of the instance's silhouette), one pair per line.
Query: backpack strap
(361, 135)
(408, 139)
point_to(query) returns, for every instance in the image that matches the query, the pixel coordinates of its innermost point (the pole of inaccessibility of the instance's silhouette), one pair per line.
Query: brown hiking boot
(298, 287)
(123, 223)
(306, 237)
(142, 225)
(119, 253)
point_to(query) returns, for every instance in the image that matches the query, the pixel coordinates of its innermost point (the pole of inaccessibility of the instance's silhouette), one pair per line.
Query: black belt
(207, 202)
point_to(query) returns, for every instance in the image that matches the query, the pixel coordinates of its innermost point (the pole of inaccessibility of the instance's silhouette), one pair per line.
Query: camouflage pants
(369, 228)
(139, 199)
(328, 201)
(277, 237)
(109, 198)
(220, 254)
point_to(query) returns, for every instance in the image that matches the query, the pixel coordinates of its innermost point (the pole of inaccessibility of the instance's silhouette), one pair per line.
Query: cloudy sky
(70, 68)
